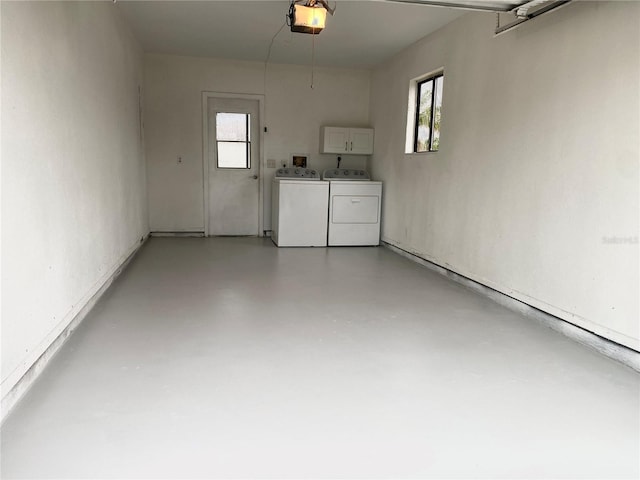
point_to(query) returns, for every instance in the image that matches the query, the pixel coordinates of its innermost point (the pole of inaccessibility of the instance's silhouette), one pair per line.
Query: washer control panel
(295, 172)
(345, 174)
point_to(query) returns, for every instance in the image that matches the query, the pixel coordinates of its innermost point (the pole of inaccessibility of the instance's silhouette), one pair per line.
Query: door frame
(205, 153)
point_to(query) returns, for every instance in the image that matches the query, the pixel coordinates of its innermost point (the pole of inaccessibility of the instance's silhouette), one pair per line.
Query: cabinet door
(361, 141)
(335, 140)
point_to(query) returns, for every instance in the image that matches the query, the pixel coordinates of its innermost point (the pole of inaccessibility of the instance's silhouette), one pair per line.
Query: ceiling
(361, 34)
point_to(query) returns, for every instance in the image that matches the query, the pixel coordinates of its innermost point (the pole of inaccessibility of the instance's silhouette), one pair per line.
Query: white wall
(73, 172)
(294, 114)
(538, 161)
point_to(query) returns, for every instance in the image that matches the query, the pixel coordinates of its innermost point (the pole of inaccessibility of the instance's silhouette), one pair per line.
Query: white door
(234, 166)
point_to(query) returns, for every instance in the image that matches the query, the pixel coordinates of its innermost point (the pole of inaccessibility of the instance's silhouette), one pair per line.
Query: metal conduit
(523, 11)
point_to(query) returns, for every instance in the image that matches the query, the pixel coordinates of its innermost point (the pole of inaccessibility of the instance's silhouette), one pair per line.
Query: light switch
(271, 163)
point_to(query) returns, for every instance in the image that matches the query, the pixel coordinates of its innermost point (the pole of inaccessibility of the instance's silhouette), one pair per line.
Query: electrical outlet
(179, 159)
(271, 163)
(284, 163)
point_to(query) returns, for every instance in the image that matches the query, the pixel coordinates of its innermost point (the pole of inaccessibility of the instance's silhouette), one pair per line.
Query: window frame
(413, 119)
(247, 142)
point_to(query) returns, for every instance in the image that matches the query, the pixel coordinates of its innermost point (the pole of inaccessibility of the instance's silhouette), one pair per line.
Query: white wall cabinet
(352, 141)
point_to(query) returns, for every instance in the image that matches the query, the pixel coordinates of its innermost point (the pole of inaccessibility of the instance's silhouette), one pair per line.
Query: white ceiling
(360, 34)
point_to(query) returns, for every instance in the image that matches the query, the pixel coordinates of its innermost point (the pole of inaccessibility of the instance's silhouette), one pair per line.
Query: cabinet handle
(352, 146)
(346, 146)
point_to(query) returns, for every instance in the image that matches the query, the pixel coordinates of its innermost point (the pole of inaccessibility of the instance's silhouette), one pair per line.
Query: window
(233, 134)
(426, 100)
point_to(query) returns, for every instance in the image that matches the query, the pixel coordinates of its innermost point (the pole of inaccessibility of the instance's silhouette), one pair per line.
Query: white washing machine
(354, 207)
(299, 208)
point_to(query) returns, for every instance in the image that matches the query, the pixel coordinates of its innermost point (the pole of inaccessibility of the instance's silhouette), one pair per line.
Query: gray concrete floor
(230, 358)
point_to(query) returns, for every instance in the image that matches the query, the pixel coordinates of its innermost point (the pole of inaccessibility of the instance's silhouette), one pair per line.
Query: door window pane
(232, 127)
(233, 139)
(233, 155)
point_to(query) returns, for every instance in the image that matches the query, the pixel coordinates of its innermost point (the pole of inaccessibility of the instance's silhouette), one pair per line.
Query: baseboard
(177, 234)
(22, 385)
(609, 348)
(201, 234)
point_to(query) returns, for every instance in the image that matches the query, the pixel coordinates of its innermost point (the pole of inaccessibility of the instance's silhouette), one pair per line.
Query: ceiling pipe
(522, 10)
(463, 6)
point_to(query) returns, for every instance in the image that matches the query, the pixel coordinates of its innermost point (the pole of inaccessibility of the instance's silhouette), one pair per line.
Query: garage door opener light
(308, 16)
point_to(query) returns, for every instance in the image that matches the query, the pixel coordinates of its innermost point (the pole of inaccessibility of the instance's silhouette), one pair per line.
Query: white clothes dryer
(355, 203)
(299, 208)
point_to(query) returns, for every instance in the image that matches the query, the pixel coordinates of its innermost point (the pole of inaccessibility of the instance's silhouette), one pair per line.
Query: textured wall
(73, 173)
(536, 180)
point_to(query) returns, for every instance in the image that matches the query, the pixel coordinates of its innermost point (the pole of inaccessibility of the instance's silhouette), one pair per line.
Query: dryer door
(355, 209)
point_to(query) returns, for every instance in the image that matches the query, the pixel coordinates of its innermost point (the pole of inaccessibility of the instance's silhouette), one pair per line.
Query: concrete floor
(231, 358)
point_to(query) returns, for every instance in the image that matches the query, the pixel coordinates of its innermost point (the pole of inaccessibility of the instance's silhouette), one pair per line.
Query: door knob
(255, 177)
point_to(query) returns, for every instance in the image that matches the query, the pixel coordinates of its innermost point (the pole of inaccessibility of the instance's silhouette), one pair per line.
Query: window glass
(233, 155)
(423, 131)
(424, 114)
(232, 127)
(233, 140)
(435, 142)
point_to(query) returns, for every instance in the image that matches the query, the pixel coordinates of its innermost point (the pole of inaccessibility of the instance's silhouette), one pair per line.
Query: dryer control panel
(345, 174)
